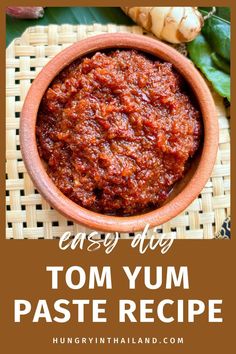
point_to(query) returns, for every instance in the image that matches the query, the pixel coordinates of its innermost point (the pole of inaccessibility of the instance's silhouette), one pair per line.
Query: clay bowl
(184, 192)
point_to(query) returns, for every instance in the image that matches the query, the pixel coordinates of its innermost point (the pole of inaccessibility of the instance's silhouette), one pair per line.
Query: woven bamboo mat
(28, 215)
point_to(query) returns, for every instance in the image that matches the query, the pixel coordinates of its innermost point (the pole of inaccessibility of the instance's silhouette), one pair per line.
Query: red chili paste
(117, 131)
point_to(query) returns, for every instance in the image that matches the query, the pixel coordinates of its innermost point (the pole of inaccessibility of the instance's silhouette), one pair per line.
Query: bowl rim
(38, 173)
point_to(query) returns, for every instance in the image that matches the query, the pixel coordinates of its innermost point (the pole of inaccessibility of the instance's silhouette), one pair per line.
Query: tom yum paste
(117, 130)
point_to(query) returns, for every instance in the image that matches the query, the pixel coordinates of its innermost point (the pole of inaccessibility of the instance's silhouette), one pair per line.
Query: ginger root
(171, 24)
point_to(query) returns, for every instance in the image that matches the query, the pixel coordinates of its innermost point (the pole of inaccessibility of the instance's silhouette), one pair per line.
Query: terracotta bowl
(184, 192)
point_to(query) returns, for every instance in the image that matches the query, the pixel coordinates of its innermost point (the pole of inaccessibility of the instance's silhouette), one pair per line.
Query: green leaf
(221, 12)
(217, 33)
(220, 63)
(200, 53)
(72, 15)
